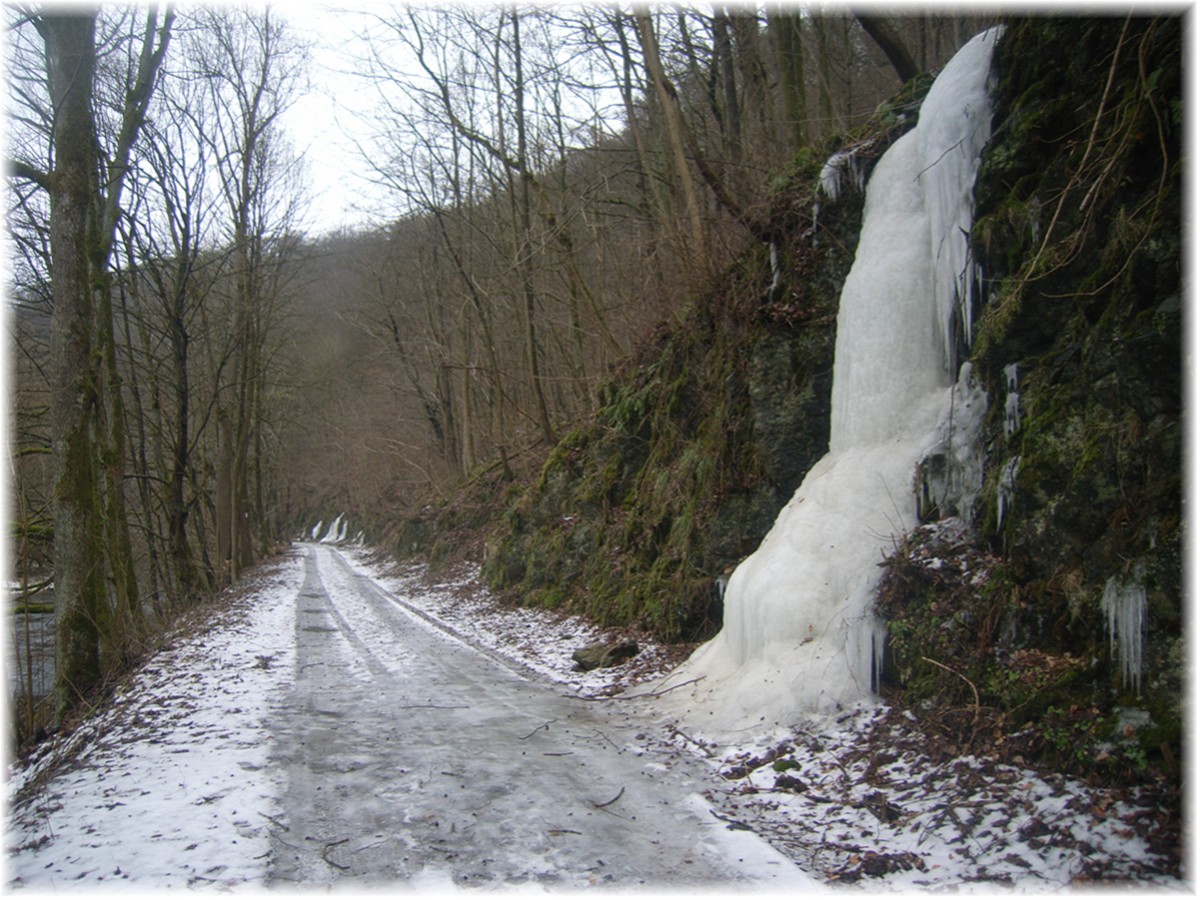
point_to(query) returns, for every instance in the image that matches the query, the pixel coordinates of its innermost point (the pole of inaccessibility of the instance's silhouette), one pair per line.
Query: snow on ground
(854, 799)
(188, 730)
(540, 640)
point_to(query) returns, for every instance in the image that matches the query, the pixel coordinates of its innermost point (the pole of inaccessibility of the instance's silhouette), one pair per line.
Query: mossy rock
(1077, 231)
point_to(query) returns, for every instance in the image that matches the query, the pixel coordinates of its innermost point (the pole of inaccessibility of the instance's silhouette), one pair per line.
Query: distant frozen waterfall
(798, 633)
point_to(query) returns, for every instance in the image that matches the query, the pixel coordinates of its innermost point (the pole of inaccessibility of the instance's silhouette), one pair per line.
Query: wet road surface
(412, 757)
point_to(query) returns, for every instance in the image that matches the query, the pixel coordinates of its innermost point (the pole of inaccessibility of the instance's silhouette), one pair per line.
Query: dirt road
(410, 756)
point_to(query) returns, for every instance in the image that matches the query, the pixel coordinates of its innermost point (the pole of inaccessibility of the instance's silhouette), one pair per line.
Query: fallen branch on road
(650, 694)
(325, 854)
(620, 794)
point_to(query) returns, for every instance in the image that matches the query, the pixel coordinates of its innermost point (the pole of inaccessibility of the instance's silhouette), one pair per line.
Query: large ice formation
(799, 634)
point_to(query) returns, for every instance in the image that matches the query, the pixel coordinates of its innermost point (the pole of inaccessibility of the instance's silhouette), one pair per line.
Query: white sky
(341, 194)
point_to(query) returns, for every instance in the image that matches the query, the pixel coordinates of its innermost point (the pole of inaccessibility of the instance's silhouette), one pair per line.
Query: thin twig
(325, 854)
(536, 730)
(704, 747)
(620, 794)
(649, 694)
(970, 683)
(274, 821)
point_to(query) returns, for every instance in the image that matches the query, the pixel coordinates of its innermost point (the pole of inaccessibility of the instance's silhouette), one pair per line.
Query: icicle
(1012, 400)
(719, 585)
(317, 529)
(844, 167)
(831, 174)
(952, 153)
(776, 287)
(1124, 602)
(1006, 488)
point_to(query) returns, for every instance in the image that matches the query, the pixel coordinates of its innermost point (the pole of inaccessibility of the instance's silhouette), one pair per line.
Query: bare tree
(85, 189)
(252, 68)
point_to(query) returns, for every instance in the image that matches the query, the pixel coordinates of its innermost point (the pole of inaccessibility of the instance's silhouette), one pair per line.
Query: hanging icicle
(1124, 603)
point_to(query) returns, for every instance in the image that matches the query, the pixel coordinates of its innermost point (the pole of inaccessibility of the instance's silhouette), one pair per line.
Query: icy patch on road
(862, 797)
(537, 639)
(170, 786)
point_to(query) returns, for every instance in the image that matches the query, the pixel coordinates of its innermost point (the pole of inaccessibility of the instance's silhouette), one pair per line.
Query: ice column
(799, 634)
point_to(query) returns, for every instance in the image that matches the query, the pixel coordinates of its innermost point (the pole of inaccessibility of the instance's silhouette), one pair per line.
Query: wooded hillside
(592, 349)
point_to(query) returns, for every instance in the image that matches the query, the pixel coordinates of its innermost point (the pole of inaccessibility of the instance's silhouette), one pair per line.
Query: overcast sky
(341, 195)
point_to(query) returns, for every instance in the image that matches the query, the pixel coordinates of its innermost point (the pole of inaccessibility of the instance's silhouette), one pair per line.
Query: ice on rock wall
(952, 471)
(845, 165)
(799, 634)
(1012, 400)
(1006, 488)
(1124, 602)
(336, 531)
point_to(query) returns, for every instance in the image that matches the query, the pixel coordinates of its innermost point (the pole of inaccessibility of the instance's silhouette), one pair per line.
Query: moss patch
(1078, 225)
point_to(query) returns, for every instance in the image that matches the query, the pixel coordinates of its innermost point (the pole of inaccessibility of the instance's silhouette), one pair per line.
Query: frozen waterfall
(799, 634)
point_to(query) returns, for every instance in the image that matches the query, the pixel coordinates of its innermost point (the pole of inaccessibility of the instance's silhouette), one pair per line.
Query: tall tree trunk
(80, 593)
(673, 117)
(180, 551)
(223, 514)
(532, 350)
(111, 406)
(655, 209)
(822, 25)
(731, 117)
(744, 25)
(786, 27)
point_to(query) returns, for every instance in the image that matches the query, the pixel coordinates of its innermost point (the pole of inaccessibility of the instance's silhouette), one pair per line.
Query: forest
(591, 349)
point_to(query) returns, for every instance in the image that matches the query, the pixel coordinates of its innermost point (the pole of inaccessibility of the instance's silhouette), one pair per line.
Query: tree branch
(889, 42)
(25, 172)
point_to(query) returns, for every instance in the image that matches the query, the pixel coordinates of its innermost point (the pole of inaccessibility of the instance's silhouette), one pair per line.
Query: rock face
(1079, 346)
(603, 655)
(705, 433)
(697, 442)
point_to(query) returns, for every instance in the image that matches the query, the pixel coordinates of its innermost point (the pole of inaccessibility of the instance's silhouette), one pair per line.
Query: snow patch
(170, 787)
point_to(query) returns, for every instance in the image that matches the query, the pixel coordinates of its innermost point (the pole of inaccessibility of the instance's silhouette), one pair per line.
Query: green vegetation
(1078, 228)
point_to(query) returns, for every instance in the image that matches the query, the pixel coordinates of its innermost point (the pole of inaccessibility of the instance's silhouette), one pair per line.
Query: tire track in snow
(441, 767)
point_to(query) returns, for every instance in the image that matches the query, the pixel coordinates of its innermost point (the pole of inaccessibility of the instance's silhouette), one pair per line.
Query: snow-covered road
(413, 757)
(336, 721)
(324, 734)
